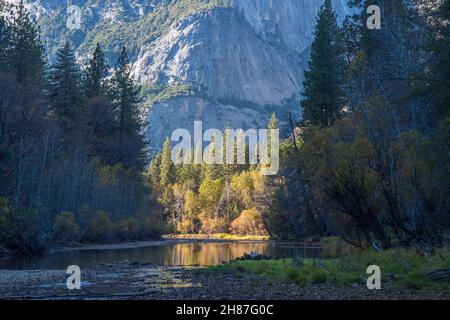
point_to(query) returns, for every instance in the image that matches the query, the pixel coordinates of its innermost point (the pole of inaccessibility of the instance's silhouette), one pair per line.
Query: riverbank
(149, 270)
(216, 236)
(128, 280)
(400, 268)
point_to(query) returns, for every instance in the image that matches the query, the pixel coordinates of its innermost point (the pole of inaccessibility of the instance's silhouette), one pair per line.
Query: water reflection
(181, 254)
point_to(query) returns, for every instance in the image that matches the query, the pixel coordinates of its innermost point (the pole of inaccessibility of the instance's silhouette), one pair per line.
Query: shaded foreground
(125, 280)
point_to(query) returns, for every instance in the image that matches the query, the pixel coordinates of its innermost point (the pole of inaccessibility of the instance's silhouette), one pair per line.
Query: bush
(319, 277)
(186, 226)
(21, 231)
(66, 230)
(249, 223)
(211, 225)
(128, 229)
(100, 229)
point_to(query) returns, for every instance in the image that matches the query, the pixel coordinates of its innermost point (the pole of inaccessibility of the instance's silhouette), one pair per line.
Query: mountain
(229, 63)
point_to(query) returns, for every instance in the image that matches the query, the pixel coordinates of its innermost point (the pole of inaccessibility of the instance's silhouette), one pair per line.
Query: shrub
(150, 227)
(21, 231)
(249, 223)
(66, 230)
(319, 277)
(100, 229)
(186, 226)
(213, 225)
(128, 229)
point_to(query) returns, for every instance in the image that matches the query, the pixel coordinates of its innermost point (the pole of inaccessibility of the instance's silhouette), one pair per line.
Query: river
(162, 253)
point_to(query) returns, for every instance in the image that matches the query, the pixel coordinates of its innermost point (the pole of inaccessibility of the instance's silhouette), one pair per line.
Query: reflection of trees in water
(176, 255)
(212, 253)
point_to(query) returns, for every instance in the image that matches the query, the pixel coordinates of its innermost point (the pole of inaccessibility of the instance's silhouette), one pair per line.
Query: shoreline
(112, 282)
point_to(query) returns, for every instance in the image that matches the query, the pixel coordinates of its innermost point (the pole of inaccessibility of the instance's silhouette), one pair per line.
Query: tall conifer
(323, 94)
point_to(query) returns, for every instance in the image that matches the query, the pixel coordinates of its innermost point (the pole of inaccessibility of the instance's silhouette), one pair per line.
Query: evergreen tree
(273, 125)
(96, 72)
(167, 169)
(323, 93)
(126, 101)
(190, 173)
(27, 59)
(154, 172)
(66, 93)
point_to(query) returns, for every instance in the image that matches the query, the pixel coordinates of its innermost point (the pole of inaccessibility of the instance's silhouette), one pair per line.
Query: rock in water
(253, 256)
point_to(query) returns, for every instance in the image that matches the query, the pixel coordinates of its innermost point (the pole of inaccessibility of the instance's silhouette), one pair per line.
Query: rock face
(288, 23)
(248, 59)
(220, 51)
(237, 60)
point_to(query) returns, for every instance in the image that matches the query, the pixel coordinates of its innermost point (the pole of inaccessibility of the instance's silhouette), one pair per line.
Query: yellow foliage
(211, 225)
(249, 223)
(66, 229)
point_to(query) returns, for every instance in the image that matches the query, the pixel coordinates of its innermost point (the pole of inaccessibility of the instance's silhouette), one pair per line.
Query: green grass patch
(400, 268)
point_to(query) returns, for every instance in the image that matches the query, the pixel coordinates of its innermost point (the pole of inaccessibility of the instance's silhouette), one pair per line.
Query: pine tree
(126, 102)
(66, 93)
(125, 96)
(95, 75)
(323, 94)
(27, 59)
(167, 169)
(273, 123)
(154, 171)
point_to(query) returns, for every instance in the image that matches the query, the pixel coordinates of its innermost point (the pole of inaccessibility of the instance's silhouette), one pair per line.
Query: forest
(72, 151)
(369, 161)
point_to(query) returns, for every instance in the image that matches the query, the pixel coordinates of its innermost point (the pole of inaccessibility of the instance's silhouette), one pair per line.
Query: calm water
(181, 254)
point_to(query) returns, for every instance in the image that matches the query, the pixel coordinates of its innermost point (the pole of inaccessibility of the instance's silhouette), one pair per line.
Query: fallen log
(439, 275)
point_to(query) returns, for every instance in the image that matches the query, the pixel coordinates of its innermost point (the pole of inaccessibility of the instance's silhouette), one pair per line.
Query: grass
(400, 268)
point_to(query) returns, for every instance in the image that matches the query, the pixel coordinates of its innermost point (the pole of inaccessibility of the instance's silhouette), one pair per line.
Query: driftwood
(4, 252)
(439, 275)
